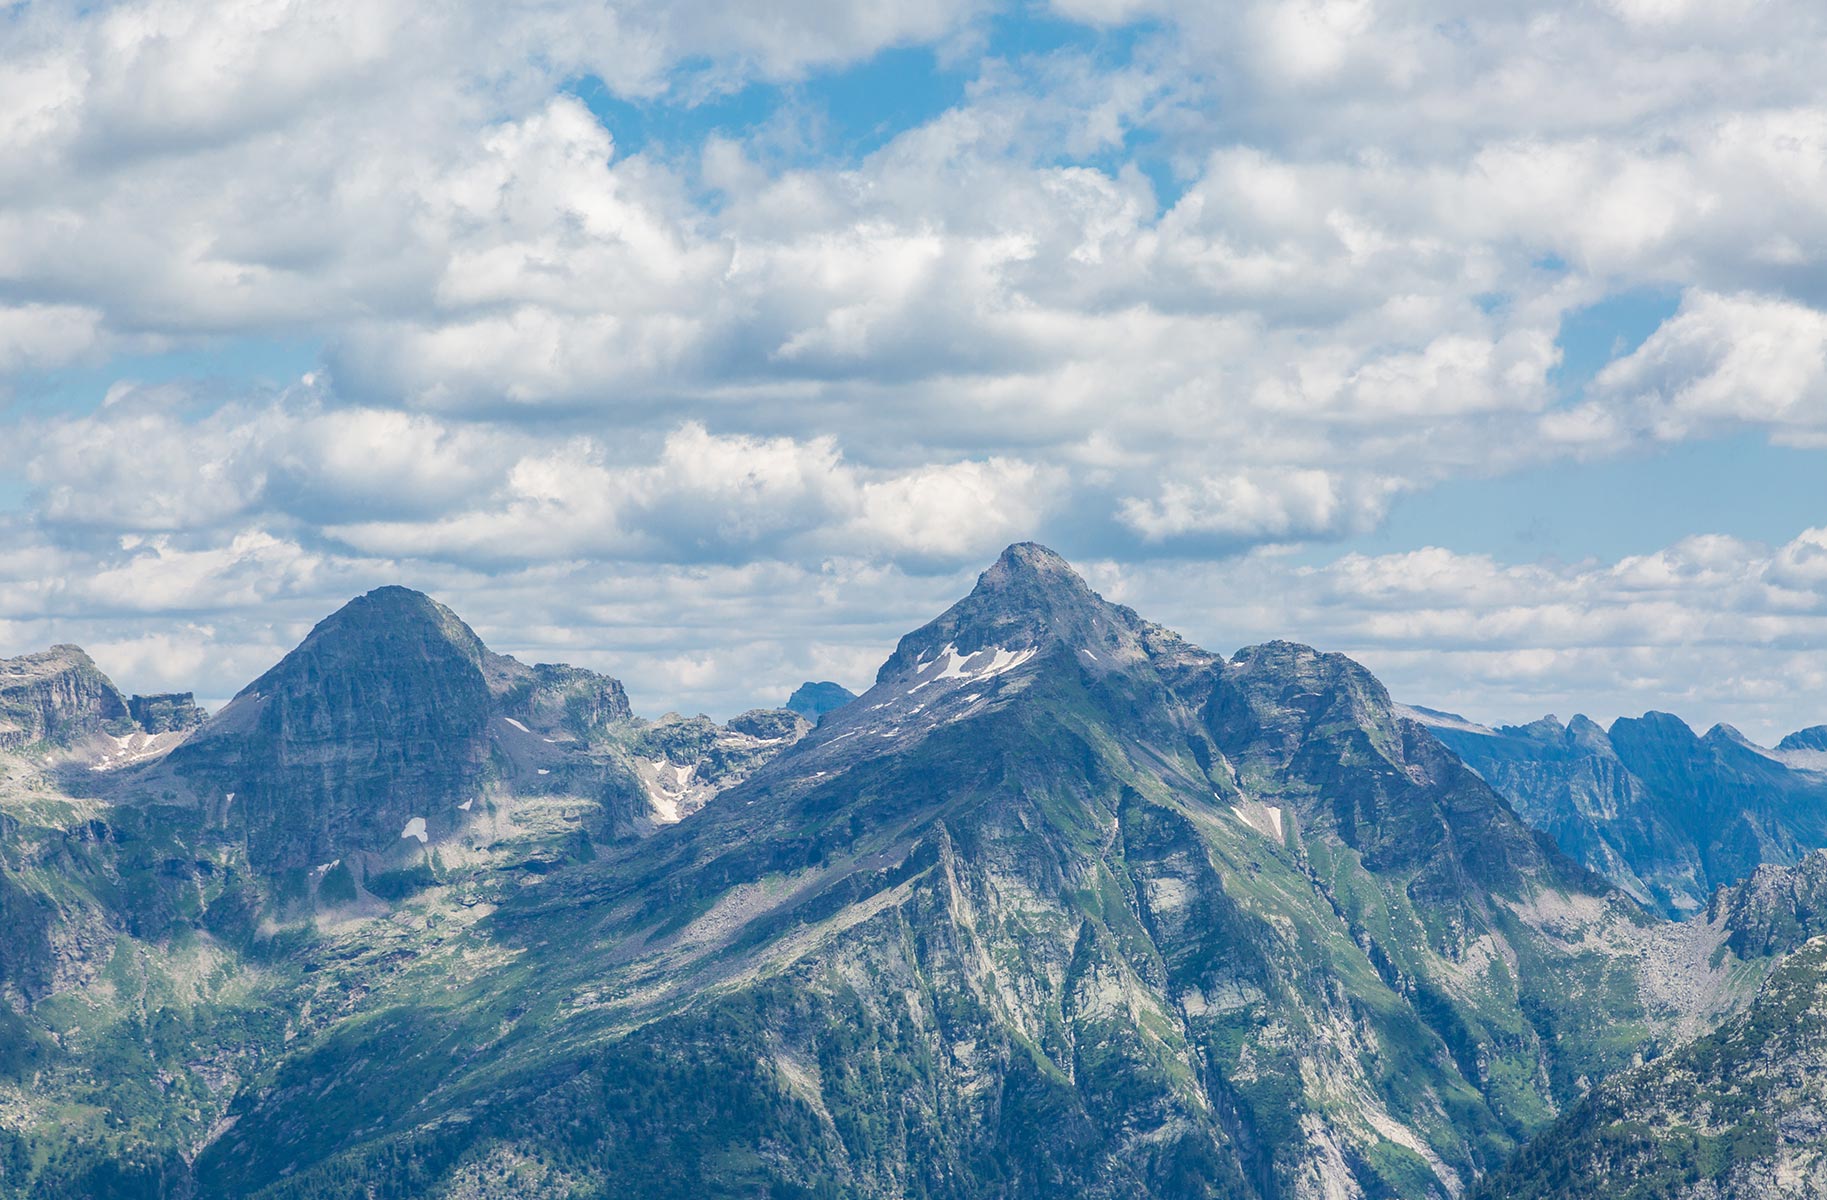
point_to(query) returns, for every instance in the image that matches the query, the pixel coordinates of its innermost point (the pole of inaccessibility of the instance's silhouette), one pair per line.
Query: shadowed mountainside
(1668, 815)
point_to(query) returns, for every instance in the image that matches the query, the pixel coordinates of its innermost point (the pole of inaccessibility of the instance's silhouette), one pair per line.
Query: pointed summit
(388, 619)
(1030, 564)
(1029, 600)
(1730, 733)
(378, 718)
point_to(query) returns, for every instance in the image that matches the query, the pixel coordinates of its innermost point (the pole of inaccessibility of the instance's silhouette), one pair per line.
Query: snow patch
(1263, 818)
(415, 828)
(517, 725)
(543, 771)
(978, 665)
(465, 805)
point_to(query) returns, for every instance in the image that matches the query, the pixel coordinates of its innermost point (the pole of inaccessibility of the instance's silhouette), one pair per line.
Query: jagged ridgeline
(1061, 906)
(1668, 815)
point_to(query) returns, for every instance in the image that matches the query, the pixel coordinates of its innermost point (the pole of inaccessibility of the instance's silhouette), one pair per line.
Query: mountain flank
(1062, 905)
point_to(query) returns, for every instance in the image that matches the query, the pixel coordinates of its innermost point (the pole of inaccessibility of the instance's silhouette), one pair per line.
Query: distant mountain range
(1062, 905)
(1667, 815)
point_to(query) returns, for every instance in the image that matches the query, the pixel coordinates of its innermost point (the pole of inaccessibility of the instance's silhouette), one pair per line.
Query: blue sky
(715, 344)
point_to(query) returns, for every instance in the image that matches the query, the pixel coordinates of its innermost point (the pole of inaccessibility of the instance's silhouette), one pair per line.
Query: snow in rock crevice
(953, 665)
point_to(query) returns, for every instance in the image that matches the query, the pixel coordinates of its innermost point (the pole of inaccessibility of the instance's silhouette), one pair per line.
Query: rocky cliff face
(1739, 1113)
(57, 696)
(378, 720)
(1667, 815)
(166, 712)
(1776, 909)
(556, 698)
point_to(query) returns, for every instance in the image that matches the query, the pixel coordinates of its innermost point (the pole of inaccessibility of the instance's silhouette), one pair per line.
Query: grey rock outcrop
(166, 712)
(57, 696)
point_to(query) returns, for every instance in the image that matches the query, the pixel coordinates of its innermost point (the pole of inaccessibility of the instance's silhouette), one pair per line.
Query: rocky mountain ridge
(1059, 851)
(1062, 905)
(57, 695)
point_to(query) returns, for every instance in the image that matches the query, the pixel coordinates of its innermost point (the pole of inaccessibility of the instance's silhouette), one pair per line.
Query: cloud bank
(700, 342)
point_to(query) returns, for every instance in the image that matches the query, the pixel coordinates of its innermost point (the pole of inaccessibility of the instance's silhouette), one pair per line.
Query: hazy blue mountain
(1812, 738)
(1666, 814)
(814, 700)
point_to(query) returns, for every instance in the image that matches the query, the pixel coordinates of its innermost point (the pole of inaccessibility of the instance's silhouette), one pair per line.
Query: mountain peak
(377, 719)
(1030, 598)
(1729, 733)
(389, 620)
(56, 694)
(1030, 560)
(1656, 725)
(1588, 734)
(404, 603)
(1028, 576)
(1812, 738)
(1547, 727)
(813, 700)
